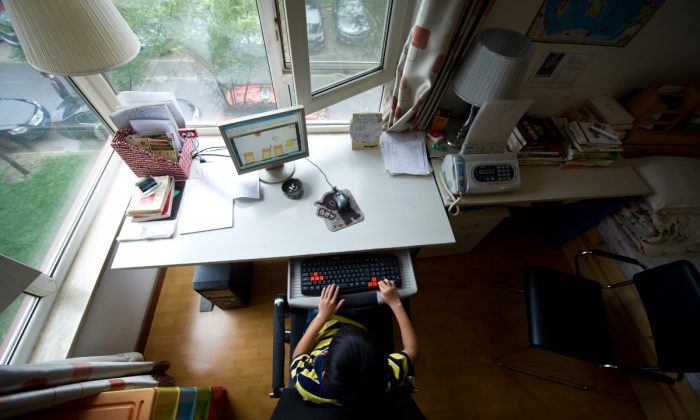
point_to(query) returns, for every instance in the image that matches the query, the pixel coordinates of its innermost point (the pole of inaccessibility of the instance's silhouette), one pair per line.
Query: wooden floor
(463, 323)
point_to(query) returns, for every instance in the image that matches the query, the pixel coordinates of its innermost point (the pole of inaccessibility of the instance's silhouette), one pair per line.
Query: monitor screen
(266, 140)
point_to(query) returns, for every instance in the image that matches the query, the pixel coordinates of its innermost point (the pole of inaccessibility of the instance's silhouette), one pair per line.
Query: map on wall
(601, 22)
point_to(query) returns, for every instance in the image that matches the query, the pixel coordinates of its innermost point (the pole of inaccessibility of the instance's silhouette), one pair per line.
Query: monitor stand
(277, 174)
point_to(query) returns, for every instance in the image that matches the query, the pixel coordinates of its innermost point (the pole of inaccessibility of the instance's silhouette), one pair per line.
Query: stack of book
(537, 141)
(589, 148)
(607, 110)
(155, 206)
(162, 144)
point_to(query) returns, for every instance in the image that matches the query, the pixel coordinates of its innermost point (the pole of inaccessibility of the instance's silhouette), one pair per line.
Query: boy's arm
(327, 306)
(390, 296)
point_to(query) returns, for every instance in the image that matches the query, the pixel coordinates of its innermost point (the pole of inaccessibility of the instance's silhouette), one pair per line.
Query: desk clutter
(135, 149)
(152, 139)
(155, 215)
(405, 153)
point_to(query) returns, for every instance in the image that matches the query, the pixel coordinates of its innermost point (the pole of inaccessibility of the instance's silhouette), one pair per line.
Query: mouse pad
(327, 209)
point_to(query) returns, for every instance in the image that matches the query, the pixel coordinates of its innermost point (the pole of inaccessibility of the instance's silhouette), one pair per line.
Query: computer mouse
(341, 200)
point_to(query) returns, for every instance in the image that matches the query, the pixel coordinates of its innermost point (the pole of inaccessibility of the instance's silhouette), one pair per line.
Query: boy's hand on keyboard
(389, 293)
(327, 305)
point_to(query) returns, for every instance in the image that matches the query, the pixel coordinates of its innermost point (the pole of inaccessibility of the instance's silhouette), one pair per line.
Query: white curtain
(437, 42)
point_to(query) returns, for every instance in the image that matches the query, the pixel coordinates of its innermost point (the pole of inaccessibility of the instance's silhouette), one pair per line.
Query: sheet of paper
(221, 176)
(404, 153)
(204, 208)
(122, 117)
(155, 229)
(143, 126)
(132, 98)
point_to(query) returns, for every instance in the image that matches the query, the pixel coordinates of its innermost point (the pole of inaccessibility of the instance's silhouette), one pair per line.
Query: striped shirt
(306, 369)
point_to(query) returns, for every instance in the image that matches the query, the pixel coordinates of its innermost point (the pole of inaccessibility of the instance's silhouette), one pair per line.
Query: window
(211, 54)
(345, 48)
(227, 58)
(51, 154)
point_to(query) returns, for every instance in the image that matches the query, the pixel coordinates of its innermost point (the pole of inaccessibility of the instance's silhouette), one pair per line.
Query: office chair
(379, 321)
(566, 315)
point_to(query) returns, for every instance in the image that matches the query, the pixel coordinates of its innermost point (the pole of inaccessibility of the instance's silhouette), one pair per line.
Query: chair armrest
(278, 340)
(612, 256)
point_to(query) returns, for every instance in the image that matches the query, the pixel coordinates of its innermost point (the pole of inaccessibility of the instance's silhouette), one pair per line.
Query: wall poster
(599, 22)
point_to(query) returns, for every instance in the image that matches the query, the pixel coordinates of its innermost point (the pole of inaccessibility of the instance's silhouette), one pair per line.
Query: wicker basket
(144, 163)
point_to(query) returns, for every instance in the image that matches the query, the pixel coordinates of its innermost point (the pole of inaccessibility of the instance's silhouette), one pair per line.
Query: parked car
(23, 120)
(352, 21)
(7, 32)
(314, 28)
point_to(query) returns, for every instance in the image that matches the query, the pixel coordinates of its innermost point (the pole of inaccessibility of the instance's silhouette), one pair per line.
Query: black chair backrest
(671, 297)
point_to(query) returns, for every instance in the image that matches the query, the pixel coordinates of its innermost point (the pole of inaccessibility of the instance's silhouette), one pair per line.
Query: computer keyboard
(351, 272)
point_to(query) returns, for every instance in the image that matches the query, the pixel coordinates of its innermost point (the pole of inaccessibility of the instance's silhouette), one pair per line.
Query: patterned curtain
(31, 387)
(434, 48)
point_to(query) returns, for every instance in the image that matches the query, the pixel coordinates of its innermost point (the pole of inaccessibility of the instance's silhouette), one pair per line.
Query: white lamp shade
(494, 67)
(72, 37)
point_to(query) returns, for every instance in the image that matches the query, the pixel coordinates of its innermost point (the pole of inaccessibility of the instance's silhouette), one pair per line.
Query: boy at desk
(338, 361)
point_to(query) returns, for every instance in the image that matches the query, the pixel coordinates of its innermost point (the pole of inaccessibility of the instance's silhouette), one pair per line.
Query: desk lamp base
(277, 174)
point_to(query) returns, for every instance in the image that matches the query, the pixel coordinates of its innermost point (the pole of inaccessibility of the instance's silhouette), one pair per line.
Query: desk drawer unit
(470, 226)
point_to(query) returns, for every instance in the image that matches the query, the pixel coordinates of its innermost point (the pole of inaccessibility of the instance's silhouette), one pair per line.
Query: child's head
(355, 368)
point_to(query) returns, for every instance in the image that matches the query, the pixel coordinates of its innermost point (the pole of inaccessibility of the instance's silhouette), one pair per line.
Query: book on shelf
(153, 203)
(585, 140)
(161, 144)
(537, 141)
(606, 109)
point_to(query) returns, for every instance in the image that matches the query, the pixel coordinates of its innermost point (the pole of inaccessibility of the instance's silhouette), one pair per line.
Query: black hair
(355, 367)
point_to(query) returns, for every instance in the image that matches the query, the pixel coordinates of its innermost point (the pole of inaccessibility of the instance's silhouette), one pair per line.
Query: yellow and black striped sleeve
(399, 367)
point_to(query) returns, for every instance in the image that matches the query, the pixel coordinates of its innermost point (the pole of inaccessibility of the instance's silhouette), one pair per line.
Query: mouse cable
(324, 174)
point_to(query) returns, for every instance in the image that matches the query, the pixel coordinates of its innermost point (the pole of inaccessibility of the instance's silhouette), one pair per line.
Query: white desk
(551, 183)
(482, 212)
(400, 212)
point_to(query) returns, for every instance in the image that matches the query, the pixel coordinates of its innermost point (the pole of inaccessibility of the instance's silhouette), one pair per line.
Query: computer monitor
(270, 141)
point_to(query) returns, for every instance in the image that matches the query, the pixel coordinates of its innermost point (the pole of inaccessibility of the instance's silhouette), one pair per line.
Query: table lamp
(72, 37)
(492, 70)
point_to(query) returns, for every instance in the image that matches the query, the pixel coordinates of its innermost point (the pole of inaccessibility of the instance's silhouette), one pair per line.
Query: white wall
(113, 322)
(665, 51)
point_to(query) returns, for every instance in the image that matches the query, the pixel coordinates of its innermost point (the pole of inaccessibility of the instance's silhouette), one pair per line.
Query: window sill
(65, 319)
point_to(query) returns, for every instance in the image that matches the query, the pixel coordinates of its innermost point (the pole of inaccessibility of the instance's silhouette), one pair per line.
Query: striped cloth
(306, 369)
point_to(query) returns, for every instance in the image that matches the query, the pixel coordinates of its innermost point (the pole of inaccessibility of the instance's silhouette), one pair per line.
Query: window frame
(399, 20)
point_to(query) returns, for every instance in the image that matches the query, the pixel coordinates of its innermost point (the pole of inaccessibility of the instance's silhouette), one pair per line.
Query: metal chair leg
(538, 374)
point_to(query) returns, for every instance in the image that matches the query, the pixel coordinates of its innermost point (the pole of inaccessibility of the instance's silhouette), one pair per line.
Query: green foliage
(33, 209)
(222, 37)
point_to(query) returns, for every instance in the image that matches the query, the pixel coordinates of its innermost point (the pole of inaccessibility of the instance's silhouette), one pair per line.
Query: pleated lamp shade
(72, 37)
(494, 67)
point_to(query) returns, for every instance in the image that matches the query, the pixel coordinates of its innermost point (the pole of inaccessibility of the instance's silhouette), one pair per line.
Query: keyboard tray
(296, 299)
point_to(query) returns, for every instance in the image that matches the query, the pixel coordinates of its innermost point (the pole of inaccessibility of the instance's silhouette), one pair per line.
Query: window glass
(346, 39)
(210, 54)
(367, 101)
(50, 141)
(11, 320)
